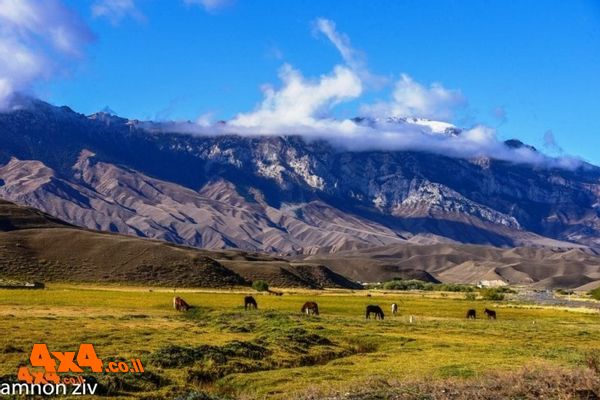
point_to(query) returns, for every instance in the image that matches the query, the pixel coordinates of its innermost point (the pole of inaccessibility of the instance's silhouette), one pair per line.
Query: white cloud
(409, 98)
(352, 57)
(205, 120)
(339, 40)
(18, 67)
(550, 142)
(210, 5)
(37, 38)
(301, 102)
(116, 10)
(302, 106)
(412, 99)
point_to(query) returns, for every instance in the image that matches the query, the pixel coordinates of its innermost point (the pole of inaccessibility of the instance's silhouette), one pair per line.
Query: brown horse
(180, 304)
(374, 309)
(471, 314)
(491, 314)
(310, 307)
(249, 302)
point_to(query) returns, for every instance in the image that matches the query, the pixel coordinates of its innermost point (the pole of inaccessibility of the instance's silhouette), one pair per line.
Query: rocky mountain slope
(36, 246)
(282, 194)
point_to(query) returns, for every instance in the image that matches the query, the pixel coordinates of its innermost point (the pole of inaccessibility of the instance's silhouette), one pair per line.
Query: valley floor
(219, 349)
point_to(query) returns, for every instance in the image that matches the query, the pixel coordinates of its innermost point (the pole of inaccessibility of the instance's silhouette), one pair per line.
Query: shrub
(505, 289)
(361, 345)
(453, 287)
(415, 284)
(595, 293)
(260, 286)
(496, 294)
(409, 284)
(470, 296)
(564, 292)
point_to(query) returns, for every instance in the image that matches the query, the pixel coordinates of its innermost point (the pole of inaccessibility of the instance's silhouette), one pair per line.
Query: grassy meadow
(220, 350)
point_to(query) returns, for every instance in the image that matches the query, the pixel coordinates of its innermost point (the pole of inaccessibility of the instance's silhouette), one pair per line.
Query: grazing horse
(249, 302)
(471, 314)
(394, 309)
(491, 314)
(180, 304)
(373, 309)
(310, 307)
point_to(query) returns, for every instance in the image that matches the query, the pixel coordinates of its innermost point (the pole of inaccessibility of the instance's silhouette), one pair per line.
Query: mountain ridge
(282, 194)
(37, 246)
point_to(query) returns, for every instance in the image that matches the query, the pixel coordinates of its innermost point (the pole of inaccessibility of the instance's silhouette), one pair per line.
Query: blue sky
(525, 67)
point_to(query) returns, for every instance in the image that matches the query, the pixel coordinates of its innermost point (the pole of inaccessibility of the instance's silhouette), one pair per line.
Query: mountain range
(284, 195)
(36, 246)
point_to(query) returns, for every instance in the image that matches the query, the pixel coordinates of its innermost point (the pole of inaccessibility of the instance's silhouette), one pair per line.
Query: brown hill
(284, 274)
(13, 218)
(35, 246)
(540, 267)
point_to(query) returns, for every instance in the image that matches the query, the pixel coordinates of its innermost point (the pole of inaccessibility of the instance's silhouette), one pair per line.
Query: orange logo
(54, 363)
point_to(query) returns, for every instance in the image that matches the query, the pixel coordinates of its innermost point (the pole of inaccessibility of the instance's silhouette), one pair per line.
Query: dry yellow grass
(329, 354)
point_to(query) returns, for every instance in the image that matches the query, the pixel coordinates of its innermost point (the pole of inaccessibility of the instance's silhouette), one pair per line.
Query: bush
(595, 293)
(409, 284)
(453, 287)
(470, 296)
(564, 292)
(260, 286)
(415, 284)
(496, 294)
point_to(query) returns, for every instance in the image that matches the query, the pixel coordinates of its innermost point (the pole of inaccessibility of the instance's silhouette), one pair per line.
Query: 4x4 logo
(68, 361)
(62, 362)
(56, 362)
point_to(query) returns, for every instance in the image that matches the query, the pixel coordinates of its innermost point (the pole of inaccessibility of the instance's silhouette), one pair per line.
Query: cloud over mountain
(412, 99)
(37, 40)
(415, 118)
(301, 103)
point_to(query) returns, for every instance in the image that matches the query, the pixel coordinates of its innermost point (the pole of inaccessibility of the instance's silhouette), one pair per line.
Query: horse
(491, 314)
(471, 314)
(180, 304)
(394, 309)
(249, 302)
(374, 309)
(310, 307)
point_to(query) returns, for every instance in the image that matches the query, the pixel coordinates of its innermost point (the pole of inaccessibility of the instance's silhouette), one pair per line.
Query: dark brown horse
(310, 307)
(249, 302)
(471, 314)
(180, 304)
(491, 314)
(373, 309)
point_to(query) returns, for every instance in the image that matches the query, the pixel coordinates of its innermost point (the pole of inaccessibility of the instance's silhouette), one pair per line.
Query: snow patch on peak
(435, 126)
(423, 124)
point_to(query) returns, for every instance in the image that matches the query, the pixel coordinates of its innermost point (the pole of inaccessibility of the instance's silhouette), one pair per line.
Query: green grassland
(277, 352)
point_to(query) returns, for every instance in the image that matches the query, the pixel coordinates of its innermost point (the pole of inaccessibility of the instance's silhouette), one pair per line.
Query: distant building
(491, 283)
